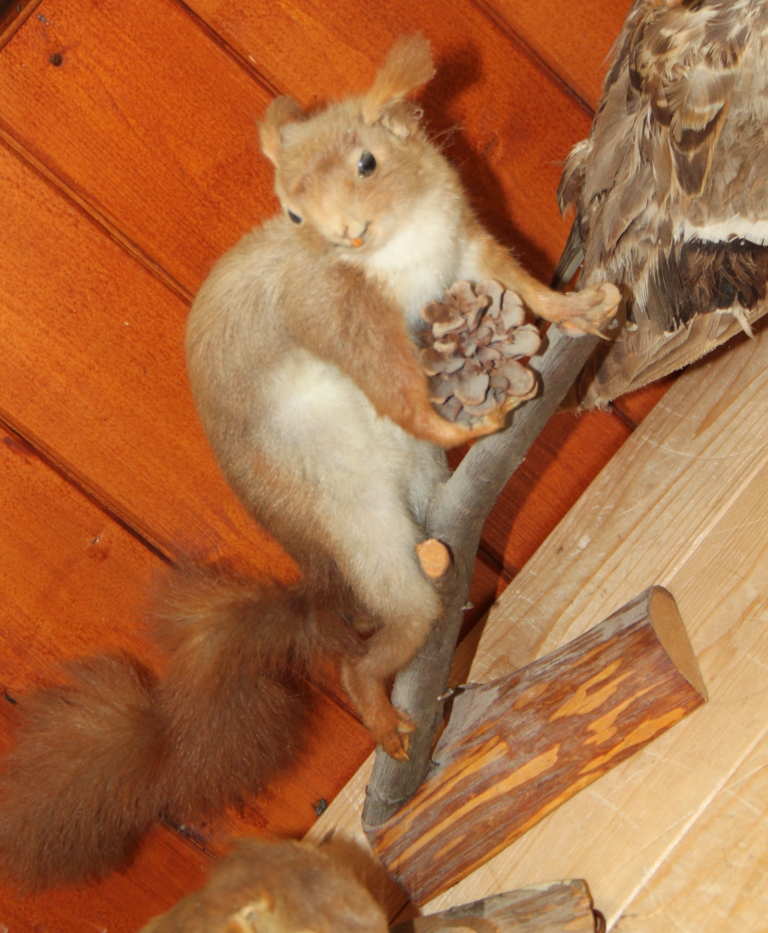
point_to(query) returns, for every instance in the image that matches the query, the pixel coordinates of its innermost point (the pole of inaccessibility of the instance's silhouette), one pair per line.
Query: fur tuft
(82, 785)
(408, 66)
(233, 698)
(282, 110)
(102, 756)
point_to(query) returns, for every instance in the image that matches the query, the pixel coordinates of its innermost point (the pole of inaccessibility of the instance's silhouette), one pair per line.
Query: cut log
(559, 907)
(517, 748)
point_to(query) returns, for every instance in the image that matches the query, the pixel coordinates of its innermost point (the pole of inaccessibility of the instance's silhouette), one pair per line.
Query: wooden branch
(559, 907)
(456, 517)
(434, 557)
(519, 747)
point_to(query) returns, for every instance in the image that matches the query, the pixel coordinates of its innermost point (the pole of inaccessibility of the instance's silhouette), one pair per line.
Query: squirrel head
(357, 171)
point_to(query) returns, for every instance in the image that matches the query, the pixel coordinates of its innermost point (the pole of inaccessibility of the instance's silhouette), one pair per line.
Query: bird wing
(671, 188)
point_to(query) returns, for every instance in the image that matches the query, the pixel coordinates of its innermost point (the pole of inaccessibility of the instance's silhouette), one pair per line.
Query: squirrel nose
(355, 234)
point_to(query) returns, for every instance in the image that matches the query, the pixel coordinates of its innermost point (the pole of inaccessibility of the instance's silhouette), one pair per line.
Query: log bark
(456, 517)
(519, 747)
(559, 907)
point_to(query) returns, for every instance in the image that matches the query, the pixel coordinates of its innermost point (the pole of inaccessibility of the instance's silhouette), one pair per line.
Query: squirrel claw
(396, 739)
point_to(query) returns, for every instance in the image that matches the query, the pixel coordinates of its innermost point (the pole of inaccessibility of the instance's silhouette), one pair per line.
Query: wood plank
(107, 398)
(716, 880)
(157, 136)
(637, 405)
(693, 517)
(70, 579)
(166, 868)
(517, 125)
(557, 907)
(563, 461)
(683, 504)
(566, 457)
(574, 39)
(13, 13)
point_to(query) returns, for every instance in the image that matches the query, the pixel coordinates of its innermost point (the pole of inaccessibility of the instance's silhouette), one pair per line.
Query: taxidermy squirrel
(301, 359)
(275, 887)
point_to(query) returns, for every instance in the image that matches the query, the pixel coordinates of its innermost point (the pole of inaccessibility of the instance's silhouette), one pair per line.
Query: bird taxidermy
(670, 189)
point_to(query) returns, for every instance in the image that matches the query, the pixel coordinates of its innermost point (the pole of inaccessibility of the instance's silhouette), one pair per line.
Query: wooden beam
(516, 749)
(558, 907)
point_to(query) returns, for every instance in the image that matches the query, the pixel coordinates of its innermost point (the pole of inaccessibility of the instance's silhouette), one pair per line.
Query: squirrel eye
(367, 164)
(294, 217)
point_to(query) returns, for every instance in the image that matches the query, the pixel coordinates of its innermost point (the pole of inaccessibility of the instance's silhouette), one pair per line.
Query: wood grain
(12, 15)
(72, 579)
(558, 907)
(147, 122)
(110, 403)
(567, 456)
(716, 881)
(519, 747)
(156, 136)
(166, 868)
(694, 518)
(573, 39)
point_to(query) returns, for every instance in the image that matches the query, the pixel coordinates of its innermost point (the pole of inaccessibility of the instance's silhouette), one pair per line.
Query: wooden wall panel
(144, 115)
(146, 119)
(566, 457)
(71, 578)
(93, 372)
(573, 39)
(166, 868)
(684, 505)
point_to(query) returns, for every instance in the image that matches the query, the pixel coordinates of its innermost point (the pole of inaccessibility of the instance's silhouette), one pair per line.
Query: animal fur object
(302, 359)
(103, 754)
(304, 369)
(671, 187)
(275, 887)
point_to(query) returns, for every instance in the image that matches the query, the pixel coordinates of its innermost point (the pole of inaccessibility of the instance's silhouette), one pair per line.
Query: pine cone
(471, 350)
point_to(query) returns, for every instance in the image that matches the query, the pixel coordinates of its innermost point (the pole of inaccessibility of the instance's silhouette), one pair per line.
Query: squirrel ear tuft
(282, 110)
(408, 66)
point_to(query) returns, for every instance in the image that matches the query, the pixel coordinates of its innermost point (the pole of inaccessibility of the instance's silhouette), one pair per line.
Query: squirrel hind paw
(394, 736)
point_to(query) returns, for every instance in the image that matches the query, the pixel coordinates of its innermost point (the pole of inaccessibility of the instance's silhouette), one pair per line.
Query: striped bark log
(519, 747)
(560, 907)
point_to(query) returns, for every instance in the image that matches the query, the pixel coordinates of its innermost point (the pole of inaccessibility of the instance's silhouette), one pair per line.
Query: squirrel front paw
(584, 312)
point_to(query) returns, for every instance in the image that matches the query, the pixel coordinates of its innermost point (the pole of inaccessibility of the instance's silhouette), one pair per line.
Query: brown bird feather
(671, 187)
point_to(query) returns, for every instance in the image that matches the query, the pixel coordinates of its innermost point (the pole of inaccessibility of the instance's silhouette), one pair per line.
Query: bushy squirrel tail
(103, 755)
